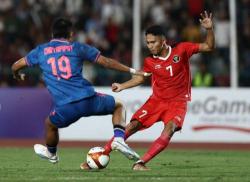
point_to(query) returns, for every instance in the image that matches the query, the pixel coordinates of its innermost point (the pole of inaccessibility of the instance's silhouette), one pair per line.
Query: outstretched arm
(16, 67)
(207, 23)
(113, 64)
(135, 81)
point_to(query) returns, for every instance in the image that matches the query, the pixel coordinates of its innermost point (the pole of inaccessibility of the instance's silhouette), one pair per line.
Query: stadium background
(219, 112)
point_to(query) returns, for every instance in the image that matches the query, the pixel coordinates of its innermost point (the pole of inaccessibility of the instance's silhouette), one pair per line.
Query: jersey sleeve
(88, 53)
(190, 48)
(146, 66)
(32, 57)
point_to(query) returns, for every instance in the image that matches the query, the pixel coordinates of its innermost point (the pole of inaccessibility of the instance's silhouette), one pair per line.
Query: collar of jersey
(60, 40)
(164, 58)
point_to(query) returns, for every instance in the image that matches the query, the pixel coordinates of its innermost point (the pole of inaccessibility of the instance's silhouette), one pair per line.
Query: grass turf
(21, 164)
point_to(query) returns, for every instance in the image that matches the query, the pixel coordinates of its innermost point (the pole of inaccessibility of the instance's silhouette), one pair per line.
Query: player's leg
(119, 122)
(119, 119)
(61, 117)
(130, 129)
(157, 146)
(109, 105)
(161, 142)
(173, 114)
(52, 138)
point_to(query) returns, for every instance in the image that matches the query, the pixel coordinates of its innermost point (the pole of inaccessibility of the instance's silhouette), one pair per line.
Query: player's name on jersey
(62, 48)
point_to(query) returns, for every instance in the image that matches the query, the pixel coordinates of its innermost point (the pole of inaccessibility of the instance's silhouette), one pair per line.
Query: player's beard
(160, 51)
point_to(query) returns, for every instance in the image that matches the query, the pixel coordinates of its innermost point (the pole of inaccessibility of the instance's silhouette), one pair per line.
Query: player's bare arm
(113, 64)
(207, 23)
(16, 67)
(135, 81)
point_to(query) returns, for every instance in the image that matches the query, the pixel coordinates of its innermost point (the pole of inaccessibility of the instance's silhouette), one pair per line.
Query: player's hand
(142, 73)
(19, 76)
(116, 87)
(206, 20)
(138, 72)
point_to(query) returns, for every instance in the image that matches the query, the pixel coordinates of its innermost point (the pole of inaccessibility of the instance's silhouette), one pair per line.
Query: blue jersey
(61, 63)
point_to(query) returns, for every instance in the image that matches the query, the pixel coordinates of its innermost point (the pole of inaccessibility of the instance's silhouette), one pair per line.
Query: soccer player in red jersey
(171, 84)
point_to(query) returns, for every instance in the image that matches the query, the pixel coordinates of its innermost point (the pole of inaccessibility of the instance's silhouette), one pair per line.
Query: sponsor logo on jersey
(176, 58)
(178, 118)
(158, 66)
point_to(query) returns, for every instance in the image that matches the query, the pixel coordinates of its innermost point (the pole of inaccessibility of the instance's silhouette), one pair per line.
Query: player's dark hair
(62, 28)
(156, 30)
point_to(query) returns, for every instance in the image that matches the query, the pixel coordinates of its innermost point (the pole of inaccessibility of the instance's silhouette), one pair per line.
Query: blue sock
(52, 149)
(119, 131)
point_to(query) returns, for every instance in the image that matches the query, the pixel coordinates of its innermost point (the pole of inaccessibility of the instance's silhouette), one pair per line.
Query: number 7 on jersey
(170, 69)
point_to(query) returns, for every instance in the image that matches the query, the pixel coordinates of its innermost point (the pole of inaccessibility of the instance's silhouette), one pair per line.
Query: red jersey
(171, 78)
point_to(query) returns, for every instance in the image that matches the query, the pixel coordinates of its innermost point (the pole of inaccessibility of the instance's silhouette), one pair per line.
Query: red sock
(108, 148)
(159, 145)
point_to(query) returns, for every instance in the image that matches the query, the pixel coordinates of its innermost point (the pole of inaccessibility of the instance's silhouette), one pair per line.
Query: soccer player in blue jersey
(61, 61)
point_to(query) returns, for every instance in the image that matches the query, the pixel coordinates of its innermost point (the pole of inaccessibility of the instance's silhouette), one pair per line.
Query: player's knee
(119, 103)
(133, 126)
(49, 125)
(170, 128)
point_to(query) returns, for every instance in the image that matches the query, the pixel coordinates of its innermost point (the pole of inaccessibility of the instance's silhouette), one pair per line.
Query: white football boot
(120, 145)
(43, 152)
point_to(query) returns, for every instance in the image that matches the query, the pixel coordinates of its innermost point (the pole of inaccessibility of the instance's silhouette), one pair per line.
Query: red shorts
(154, 110)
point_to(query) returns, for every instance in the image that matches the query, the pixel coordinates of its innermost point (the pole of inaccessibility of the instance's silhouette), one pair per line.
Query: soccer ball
(97, 159)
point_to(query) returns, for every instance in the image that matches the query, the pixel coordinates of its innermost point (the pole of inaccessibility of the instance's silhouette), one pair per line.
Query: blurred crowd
(107, 25)
(104, 24)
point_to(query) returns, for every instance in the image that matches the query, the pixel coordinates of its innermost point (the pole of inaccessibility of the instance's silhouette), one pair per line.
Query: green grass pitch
(21, 164)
